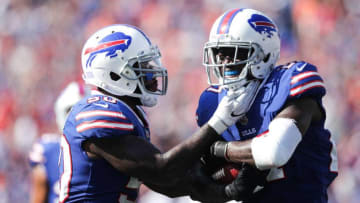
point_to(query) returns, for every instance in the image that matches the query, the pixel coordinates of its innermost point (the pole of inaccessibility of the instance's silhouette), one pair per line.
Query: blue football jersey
(313, 166)
(95, 180)
(45, 152)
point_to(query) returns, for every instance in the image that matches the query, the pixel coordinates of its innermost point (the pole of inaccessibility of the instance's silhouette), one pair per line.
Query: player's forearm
(168, 168)
(146, 162)
(39, 185)
(236, 152)
(272, 149)
(182, 157)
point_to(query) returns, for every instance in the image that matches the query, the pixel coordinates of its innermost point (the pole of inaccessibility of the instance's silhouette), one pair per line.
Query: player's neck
(132, 102)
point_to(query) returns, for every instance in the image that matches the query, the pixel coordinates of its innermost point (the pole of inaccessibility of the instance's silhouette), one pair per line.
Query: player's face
(149, 78)
(228, 56)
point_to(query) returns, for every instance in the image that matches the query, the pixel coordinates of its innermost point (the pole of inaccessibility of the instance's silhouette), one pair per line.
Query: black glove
(204, 188)
(243, 186)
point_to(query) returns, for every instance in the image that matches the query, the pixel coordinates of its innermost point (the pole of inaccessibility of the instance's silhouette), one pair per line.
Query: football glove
(233, 106)
(245, 183)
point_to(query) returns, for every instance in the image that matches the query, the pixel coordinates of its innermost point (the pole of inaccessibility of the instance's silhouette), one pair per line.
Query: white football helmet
(68, 97)
(250, 42)
(121, 60)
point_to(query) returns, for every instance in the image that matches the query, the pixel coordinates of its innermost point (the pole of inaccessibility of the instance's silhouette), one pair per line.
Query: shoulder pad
(305, 80)
(102, 118)
(213, 88)
(207, 105)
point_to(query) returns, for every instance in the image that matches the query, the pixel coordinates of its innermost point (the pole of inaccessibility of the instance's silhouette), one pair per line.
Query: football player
(282, 134)
(106, 151)
(44, 156)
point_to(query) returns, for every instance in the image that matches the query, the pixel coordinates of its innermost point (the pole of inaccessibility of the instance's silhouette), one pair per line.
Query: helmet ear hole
(266, 58)
(114, 76)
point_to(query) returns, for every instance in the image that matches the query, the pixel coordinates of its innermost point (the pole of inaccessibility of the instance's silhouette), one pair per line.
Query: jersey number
(275, 174)
(97, 98)
(133, 184)
(65, 158)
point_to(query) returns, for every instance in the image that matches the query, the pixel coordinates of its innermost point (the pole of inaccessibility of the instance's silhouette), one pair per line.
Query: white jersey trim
(104, 124)
(304, 75)
(302, 88)
(88, 114)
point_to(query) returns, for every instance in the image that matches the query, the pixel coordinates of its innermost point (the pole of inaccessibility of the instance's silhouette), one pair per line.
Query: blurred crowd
(40, 46)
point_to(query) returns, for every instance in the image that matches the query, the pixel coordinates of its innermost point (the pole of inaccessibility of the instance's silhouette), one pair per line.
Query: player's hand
(245, 183)
(233, 106)
(245, 97)
(204, 188)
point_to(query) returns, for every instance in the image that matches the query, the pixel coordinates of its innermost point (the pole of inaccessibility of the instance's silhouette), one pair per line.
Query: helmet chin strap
(148, 100)
(236, 85)
(239, 83)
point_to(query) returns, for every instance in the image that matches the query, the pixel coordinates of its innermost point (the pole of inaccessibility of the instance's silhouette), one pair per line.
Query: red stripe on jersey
(265, 132)
(104, 124)
(303, 75)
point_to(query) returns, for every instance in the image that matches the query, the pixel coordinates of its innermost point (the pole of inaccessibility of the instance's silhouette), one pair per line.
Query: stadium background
(41, 41)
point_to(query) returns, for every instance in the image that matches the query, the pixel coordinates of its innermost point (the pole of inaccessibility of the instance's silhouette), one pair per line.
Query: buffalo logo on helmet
(262, 25)
(109, 45)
